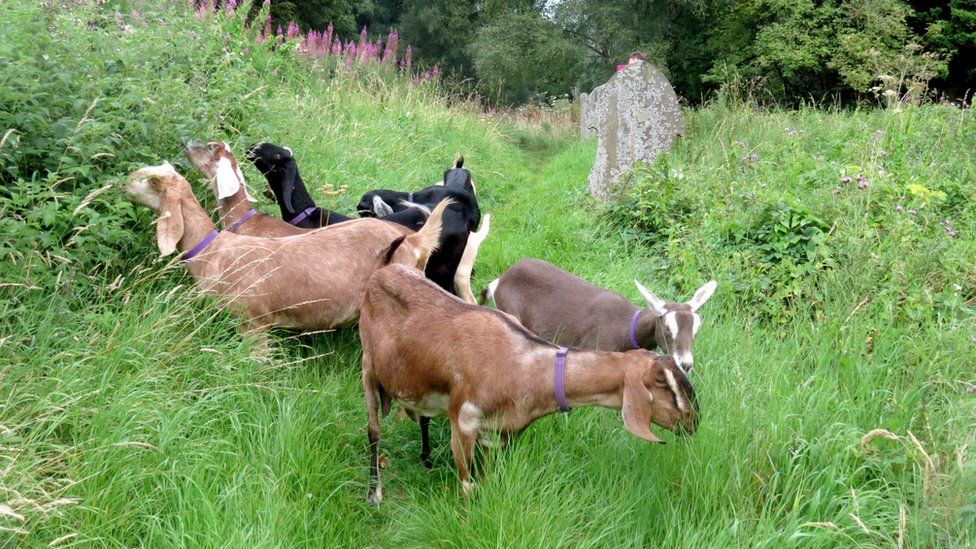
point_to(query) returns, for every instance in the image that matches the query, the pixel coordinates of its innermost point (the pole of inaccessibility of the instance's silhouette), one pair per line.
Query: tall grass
(131, 411)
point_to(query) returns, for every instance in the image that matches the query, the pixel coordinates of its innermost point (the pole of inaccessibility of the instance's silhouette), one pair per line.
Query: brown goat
(215, 161)
(562, 307)
(312, 281)
(501, 378)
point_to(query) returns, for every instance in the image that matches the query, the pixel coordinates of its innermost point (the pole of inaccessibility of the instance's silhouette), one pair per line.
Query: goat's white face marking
(671, 322)
(469, 418)
(673, 383)
(381, 208)
(696, 324)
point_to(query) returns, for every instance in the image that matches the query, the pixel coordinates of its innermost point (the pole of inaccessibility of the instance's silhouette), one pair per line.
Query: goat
(215, 162)
(560, 306)
(281, 170)
(311, 281)
(460, 220)
(385, 202)
(502, 378)
(450, 265)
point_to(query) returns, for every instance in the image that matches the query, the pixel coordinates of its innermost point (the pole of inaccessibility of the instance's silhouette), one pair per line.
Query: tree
(522, 54)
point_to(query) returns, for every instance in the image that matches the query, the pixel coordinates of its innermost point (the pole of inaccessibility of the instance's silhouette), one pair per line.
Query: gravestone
(635, 116)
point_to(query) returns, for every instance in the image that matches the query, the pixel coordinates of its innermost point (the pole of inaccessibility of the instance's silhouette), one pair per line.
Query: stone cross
(636, 117)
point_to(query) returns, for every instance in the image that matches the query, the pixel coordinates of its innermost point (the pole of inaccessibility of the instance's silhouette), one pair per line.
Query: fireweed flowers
(324, 44)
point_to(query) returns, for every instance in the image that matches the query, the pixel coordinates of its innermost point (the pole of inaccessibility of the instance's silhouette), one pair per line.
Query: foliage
(523, 55)
(132, 413)
(789, 247)
(652, 203)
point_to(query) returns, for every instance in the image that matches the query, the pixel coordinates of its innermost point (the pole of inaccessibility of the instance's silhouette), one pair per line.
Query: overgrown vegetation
(776, 51)
(132, 413)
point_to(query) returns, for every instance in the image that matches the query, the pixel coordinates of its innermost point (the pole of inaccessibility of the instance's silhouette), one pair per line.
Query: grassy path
(132, 413)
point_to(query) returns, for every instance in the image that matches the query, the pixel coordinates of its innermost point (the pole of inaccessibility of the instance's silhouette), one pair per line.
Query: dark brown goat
(562, 307)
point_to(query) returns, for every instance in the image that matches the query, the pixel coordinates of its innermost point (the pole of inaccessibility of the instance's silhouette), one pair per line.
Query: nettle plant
(654, 203)
(788, 248)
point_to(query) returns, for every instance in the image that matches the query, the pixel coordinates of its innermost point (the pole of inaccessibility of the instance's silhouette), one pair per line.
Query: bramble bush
(92, 93)
(843, 200)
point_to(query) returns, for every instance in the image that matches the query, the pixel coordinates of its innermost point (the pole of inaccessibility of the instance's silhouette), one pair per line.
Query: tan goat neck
(591, 378)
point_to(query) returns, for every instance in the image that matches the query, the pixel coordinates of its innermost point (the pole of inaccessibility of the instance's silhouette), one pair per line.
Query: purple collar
(301, 217)
(199, 247)
(237, 224)
(558, 376)
(633, 328)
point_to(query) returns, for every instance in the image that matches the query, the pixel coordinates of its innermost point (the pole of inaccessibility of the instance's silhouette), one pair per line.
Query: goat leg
(425, 441)
(258, 332)
(462, 446)
(374, 494)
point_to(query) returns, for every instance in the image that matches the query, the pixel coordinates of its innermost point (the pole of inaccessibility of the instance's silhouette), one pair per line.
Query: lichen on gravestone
(636, 117)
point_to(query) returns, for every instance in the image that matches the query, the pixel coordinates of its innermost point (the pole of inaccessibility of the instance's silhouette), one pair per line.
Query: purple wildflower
(293, 31)
(862, 185)
(898, 208)
(245, 51)
(912, 212)
(836, 191)
(845, 180)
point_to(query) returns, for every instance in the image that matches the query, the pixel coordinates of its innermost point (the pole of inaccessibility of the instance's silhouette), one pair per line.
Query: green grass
(132, 413)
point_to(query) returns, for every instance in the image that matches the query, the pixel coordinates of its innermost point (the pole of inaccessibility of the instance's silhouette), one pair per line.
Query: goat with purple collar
(559, 306)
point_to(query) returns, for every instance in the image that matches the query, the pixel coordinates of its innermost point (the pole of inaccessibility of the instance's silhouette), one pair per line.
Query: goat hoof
(425, 459)
(374, 497)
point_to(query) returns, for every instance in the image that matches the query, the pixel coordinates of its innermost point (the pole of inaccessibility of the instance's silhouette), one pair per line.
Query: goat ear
(226, 179)
(169, 226)
(656, 304)
(380, 207)
(702, 295)
(288, 184)
(636, 409)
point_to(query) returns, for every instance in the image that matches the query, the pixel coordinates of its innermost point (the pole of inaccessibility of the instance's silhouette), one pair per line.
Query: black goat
(461, 218)
(297, 207)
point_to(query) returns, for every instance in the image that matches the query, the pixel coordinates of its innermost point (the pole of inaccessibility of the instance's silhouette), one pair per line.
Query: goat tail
(462, 276)
(426, 240)
(488, 292)
(459, 161)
